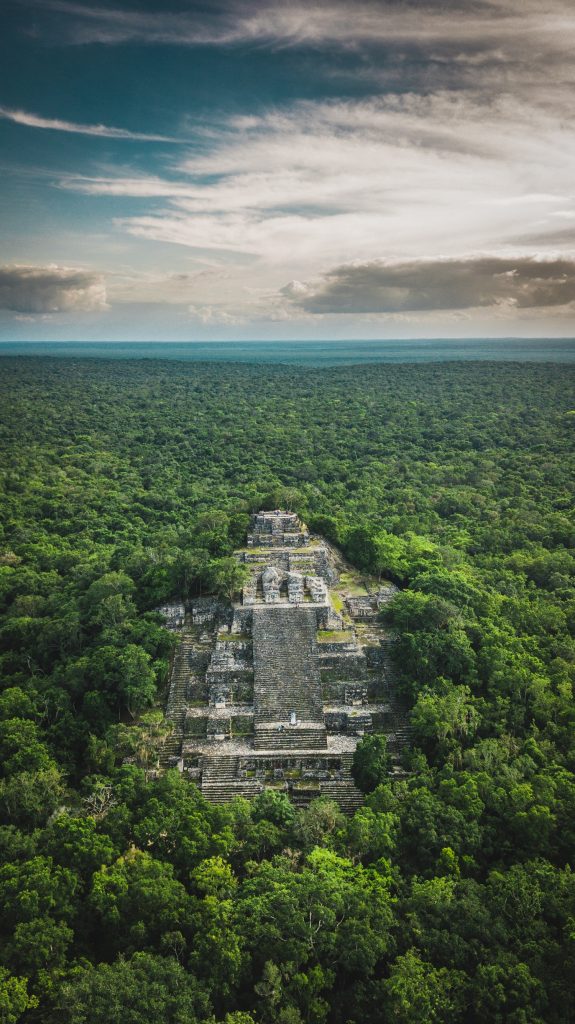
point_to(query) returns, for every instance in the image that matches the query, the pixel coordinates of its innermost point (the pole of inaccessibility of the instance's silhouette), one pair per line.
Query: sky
(225, 170)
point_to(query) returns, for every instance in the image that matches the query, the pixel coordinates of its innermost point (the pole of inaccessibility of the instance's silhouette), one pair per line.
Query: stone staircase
(170, 751)
(302, 796)
(287, 679)
(386, 644)
(184, 665)
(345, 793)
(400, 734)
(178, 681)
(220, 780)
(176, 705)
(303, 736)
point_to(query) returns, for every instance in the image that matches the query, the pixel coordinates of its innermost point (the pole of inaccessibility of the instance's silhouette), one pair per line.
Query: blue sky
(295, 170)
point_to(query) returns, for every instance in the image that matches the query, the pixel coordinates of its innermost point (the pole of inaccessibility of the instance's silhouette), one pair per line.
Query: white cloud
(142, 187)
(50, 289)
(323, 183)
(318, 24)
(203, 286)
(98, 130)
(214, 315)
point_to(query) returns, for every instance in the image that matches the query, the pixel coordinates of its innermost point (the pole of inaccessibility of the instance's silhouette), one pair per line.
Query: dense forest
(449, 897)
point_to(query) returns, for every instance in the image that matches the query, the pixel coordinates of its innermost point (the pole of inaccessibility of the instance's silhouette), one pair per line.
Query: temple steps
(268, 737)
(398, 741)
(286, 667)
(220, 781)
(181, 671)
(169, 751)
(222, 793)
(401, 732)
(217, 770)
(176, 705)
(400, 717)
(303, 797)
(345, 794)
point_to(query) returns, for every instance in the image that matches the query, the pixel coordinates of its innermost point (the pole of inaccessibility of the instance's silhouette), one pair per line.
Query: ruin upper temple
(277, 689)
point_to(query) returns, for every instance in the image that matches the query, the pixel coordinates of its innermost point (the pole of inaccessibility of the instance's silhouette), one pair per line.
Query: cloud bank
(51, 289)
(382, 286)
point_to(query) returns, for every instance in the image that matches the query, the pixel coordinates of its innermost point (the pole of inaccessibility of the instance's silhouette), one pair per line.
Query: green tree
(416, 992)
(138, 990)
(108, 600)
(75, 843)
(39, 945)
(139, 898)
(14, 998)
(21, 748)
(27, 799)
(371, 762)
(448, 712)
(227, 577)
(217, 954)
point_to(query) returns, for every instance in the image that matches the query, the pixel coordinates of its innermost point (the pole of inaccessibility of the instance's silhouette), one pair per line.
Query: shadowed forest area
(449, 897)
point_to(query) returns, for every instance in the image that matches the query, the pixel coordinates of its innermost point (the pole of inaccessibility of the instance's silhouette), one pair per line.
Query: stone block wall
(206, 611)
(175, 615)
(241, 622)
(195, 725)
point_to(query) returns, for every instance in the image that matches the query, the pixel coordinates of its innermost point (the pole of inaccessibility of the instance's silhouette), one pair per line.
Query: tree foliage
(449, 896)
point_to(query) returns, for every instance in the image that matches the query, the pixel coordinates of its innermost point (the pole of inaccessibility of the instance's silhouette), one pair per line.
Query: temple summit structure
(276, 690)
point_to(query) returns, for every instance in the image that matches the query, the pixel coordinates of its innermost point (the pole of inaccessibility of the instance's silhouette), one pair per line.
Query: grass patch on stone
(242, 725)
(334, 636)
(196, 726)
(353, 584)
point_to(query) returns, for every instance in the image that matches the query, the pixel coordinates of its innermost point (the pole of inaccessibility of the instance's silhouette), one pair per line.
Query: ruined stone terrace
(276, 529)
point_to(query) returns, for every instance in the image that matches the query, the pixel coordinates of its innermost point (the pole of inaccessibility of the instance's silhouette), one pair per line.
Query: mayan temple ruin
(277, 689)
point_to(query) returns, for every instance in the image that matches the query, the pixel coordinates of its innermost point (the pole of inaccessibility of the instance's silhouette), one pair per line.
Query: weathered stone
(317, 589)
(363, 607)
(174, 615)
(276, 529)
(295, 585)
(270, 584)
